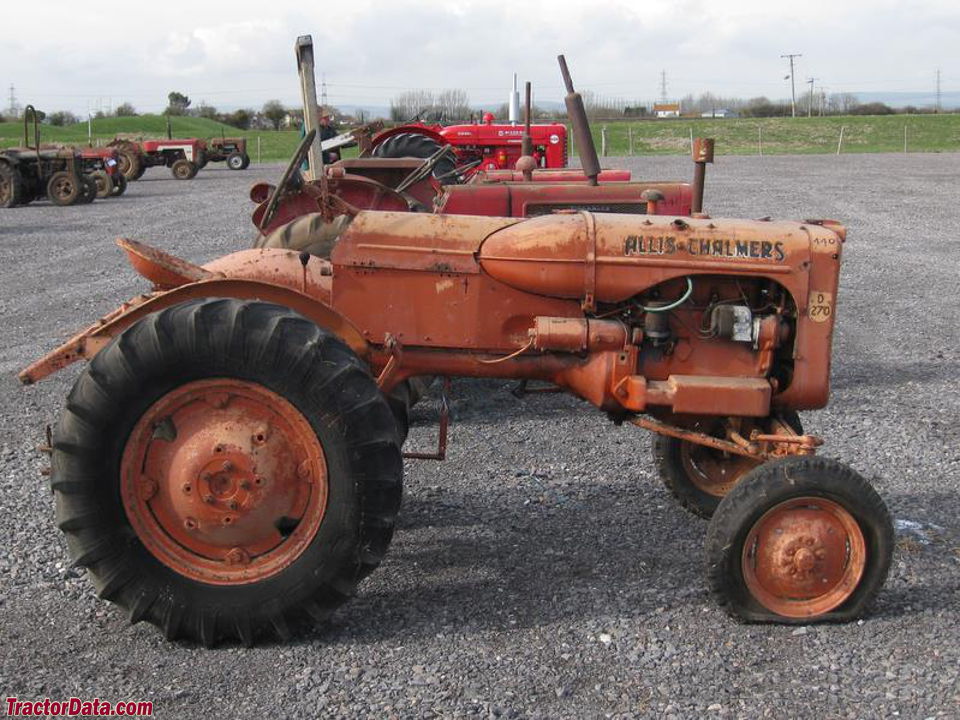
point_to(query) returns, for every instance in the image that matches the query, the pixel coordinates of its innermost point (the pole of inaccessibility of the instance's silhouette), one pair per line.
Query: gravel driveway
(542, 571)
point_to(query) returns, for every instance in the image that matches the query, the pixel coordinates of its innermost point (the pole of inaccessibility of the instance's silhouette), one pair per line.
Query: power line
(793, 89)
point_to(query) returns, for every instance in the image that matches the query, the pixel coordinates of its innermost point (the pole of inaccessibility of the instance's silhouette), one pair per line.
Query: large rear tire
(11, 187)
(799, 540)
(183, 169)
(130, 164)
(64, 188)
(416, 145)
(227, 470)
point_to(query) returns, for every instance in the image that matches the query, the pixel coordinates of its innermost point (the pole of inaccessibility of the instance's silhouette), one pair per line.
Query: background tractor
(103, 165)
(228, 466)
(184, 156)
(231, 150)
(34, 171)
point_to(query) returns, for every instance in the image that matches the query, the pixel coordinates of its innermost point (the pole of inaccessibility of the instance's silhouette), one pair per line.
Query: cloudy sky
(76, 55)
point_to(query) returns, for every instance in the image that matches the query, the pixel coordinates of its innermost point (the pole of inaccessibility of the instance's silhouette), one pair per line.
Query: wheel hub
(224, 481)
(804, 557)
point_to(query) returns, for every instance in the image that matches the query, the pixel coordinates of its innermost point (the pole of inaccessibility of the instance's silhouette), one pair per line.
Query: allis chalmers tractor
(229, 464)
(35, 171)
(231, 150)
(184, 156)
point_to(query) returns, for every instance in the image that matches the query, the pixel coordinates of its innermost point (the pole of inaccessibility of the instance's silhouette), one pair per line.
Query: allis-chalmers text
(669, 245)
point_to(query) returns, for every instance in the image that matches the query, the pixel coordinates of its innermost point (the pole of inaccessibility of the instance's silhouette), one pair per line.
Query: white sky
(65, 54)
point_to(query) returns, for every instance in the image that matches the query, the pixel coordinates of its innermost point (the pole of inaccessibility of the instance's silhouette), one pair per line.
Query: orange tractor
(229, 464)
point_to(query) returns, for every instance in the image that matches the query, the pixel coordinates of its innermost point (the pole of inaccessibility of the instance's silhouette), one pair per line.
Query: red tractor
(184, 156)
(103, 165)
(484, 146)
(229, 150)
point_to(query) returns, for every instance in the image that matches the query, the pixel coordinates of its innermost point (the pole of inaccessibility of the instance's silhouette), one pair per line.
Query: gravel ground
(541, 571)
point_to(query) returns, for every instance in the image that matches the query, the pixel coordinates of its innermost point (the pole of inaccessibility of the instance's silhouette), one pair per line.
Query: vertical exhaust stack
(526, 162)
(514, 104)
(702, 154)
(581, 127)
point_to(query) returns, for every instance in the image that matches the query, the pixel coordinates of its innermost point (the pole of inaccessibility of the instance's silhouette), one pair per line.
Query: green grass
(862, 134)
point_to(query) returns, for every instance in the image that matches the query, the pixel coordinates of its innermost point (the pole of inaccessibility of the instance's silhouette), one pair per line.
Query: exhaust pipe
(581, 127)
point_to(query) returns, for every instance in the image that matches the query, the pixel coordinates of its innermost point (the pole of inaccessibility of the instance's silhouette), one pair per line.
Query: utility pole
(793, 88)
(810, 99)
(13, 101)
(939, 105)
(323, 91)
(663, 86)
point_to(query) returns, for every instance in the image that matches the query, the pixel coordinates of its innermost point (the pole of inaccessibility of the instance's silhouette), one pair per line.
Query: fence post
(603, 141)
(258, 151)
(691, 139)
(840, 141)
(760, 139)
(904, 138)
(630, 138)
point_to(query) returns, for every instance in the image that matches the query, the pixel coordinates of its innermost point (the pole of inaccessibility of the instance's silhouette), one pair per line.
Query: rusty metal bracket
(441, 453)
(589, 303)
(763, 447)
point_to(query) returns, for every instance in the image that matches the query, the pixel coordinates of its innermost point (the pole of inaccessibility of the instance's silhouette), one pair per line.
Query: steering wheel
(287, 180)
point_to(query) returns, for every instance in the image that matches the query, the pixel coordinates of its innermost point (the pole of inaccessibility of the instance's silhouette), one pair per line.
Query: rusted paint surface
(224, 481)
(804, 557)
(164, 270)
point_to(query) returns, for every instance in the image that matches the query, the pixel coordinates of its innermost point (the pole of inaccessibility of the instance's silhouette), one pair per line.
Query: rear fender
(93, 339)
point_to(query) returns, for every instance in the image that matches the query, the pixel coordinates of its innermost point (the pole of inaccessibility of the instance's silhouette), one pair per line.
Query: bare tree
(275, 112)
(454, 105)
(410, 104)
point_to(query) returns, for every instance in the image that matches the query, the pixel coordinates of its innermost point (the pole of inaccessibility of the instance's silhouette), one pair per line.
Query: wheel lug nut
(228, 519)
(190, 524)
(232, 505)
(260, 435)
(208, 498)
(187, 488)
(244, 484)
(227, 466)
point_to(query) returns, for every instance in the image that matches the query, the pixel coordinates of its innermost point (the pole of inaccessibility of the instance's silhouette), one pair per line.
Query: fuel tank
(611, 257)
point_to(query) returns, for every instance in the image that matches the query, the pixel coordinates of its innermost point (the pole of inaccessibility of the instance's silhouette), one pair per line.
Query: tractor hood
(600, 255)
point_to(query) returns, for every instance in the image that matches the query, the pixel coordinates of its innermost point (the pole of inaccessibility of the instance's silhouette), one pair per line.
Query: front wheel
(183, 169)
(63, 188)
(699, 476)
(235, 161)
(799, 540)
(104, 183)
(119, 185)
(227, 470)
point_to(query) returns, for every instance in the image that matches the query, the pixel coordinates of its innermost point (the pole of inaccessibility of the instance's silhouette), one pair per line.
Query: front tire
(184, 169)
(119, 185)
(235, 161)
(104, 183)
(227, 470)
(64, 188)
(799, 540)
(699, 476)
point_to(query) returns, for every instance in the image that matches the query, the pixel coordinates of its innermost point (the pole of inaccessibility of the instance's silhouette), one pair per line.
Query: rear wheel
(11, 189)
(799, 540)
(416, 145)
(227, 470)
(183, 169)
(63, 188)
(130, 164)
(235, 161)
(104, 184)
(699, 476)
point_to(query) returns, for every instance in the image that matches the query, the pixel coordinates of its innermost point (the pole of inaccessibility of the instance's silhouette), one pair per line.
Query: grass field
(861, 134)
